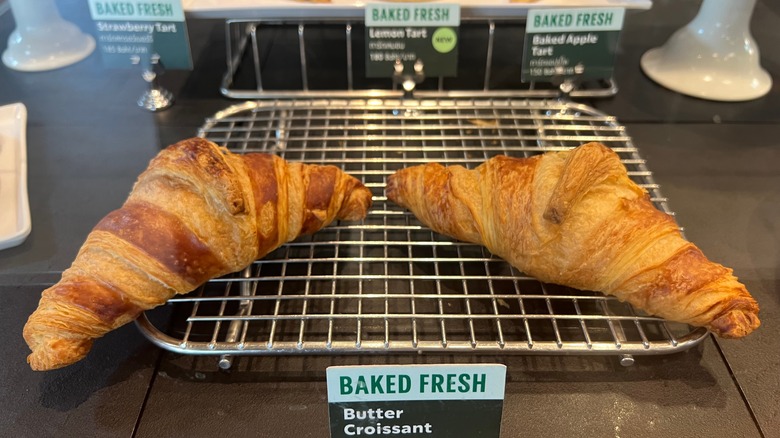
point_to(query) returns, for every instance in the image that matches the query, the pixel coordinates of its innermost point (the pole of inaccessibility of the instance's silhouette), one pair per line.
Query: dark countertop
(718, 163)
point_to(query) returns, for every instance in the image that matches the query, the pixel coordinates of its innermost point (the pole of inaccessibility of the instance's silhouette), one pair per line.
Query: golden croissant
(197, 212)
(575, 218)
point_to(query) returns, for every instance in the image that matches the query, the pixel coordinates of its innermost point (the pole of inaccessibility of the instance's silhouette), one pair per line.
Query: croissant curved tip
(357, 203)
(735, 323)
(57, 353)
(392, 187)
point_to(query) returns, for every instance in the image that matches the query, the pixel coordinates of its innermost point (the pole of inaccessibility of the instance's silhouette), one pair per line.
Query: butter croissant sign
(416, 400)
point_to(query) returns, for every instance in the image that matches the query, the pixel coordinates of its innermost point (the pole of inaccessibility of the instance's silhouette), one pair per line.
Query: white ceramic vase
(42, 40)
(714, 57)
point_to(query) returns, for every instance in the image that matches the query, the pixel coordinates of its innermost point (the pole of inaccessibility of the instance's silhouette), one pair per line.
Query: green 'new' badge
(444, 40)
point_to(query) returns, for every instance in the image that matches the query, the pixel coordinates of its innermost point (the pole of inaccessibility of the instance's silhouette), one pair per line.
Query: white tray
(15, 224)
(291, 9)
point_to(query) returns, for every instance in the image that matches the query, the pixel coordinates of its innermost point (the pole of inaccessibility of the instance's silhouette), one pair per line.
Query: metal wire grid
(388, 283)
(246, 63)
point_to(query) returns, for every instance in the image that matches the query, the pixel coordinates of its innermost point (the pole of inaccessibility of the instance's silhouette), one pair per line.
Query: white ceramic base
(48, 48)
(713, 57)
(694, 79)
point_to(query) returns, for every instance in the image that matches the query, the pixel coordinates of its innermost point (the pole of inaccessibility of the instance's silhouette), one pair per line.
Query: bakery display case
(246, 353)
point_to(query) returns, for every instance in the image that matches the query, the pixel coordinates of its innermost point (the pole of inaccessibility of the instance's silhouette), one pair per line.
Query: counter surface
(719, 164)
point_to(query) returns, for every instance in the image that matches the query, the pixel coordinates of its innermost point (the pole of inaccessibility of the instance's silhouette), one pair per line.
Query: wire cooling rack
(388, 283)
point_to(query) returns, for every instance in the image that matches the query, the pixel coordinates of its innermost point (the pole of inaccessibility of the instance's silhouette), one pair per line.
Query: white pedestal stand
(42, 40)
(713, 57)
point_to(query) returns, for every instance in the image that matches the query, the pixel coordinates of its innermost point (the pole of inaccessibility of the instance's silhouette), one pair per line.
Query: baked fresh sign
(408, 32)
(131, 32)
(417, 400)
(571, 42)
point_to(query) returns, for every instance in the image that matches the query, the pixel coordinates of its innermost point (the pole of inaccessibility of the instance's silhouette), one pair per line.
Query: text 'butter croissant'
(575, 218)
(196, 213)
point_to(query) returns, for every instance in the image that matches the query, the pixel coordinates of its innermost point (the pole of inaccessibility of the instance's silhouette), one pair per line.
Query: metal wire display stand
(388, 284)
(254, 57)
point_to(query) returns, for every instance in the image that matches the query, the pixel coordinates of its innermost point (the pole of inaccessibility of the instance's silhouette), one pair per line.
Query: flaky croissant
(575, 218)
(196, 213)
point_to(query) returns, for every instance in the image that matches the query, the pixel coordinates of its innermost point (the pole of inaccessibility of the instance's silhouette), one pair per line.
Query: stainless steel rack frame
(388, 284)
(245, 59)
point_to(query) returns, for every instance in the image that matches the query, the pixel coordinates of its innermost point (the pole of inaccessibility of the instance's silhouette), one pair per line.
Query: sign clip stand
(155, 98)
(408, 82)
(568, 84)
